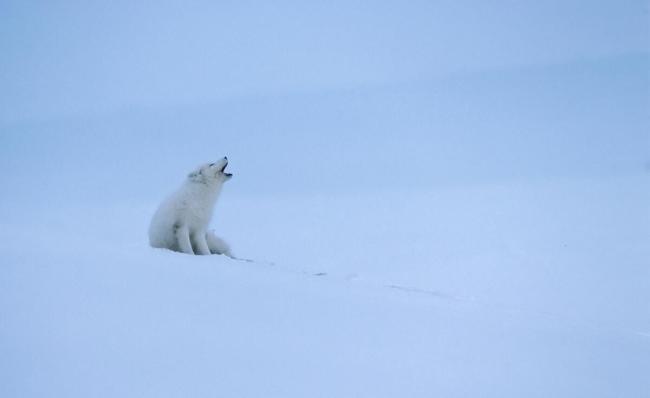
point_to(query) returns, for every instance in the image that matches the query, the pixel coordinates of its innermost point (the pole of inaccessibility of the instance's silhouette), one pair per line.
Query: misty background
(319, 96)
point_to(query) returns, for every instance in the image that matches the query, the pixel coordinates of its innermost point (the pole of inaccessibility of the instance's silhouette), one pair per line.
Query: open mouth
(223, 169)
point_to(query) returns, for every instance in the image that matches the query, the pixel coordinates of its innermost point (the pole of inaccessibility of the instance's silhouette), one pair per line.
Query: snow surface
(513, 290)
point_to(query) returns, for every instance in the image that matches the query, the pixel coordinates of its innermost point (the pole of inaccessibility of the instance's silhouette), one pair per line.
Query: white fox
(181, 221)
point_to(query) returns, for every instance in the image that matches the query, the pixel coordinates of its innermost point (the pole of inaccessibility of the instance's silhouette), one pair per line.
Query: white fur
(181, 221)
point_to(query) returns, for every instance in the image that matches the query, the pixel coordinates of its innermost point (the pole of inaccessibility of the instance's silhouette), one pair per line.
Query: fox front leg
(200, 243)
(183, 239)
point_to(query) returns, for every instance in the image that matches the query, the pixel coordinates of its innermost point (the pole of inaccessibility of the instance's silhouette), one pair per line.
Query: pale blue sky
(72, 58)
(126, 97)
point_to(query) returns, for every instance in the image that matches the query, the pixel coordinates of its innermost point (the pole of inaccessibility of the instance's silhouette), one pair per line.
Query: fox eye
(211, 164)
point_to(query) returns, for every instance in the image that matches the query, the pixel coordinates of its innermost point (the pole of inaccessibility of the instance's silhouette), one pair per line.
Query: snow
(515, 290)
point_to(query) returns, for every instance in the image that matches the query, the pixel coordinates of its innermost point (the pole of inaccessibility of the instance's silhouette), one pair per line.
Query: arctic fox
(181, 221)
